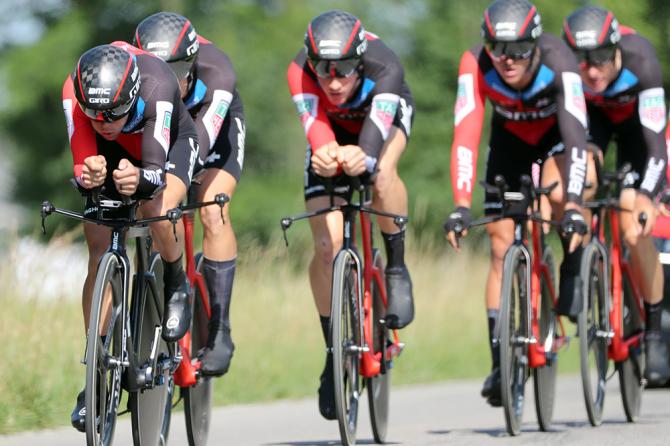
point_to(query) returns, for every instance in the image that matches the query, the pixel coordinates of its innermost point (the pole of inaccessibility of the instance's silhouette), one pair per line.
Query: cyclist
(625, 99)
(539, 118)
(356, 110)
(207, 84)
(130, 133)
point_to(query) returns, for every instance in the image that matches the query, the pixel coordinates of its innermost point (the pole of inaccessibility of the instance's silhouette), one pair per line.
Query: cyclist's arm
(79, 130)
(571, 117)
(652, 113)
(468, 120)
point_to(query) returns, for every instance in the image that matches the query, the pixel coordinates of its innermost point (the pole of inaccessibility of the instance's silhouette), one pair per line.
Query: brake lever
(285, 224)
(47, 209)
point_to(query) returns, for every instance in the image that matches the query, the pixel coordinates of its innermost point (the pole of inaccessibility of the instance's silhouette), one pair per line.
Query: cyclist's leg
(223, 169)
(390, 195)
(177, 316)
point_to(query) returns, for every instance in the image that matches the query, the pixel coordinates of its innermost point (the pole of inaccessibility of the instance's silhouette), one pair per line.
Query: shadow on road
(319, 443)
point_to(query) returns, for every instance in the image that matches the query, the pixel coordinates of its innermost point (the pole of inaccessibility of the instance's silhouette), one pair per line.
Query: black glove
(458, 221)
(572, 223)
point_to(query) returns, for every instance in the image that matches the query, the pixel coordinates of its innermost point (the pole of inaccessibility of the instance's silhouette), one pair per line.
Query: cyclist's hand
(573, 226)
(126, 177)
(94, 171)
(644, 205)
(352, 160)
(324, 160)
(457, 225)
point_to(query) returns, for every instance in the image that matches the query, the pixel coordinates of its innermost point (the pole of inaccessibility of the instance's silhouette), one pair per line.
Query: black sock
(492, 316)
(654, 312)
(173, 274)
(395, 249)
(219, 278)
(325, 329)
(572, 261)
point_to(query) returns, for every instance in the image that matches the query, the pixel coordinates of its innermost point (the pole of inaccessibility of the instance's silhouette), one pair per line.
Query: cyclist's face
(515, 73)
(338, 90)
(109, 130)
(598, 77)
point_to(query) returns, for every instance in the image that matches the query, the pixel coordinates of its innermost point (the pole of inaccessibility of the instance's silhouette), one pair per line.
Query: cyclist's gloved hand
(573, 223)
(457, 225)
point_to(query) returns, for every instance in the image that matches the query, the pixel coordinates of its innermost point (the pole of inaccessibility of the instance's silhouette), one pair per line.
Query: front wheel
(104, 353)
(379, 385)
(149, 406)
(544, 378)
(198, 398)
(593, 329)
(346, 340)
(514, 333)
(631, 370)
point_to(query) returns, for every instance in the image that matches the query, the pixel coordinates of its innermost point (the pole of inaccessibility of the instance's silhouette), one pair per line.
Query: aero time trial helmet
(510, 28)
(593, 34)
(170, 37)
(335, 42)
(106, 82)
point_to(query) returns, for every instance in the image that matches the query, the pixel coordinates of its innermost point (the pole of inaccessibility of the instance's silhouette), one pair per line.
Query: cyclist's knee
(500, 242)
(325, 249)
(212, 220)
(383, 186)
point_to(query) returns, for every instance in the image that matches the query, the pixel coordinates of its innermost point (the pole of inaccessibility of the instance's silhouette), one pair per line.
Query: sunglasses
(182, 68)
(511, 50)
(109, 115)
(599, 56)
(335, 68)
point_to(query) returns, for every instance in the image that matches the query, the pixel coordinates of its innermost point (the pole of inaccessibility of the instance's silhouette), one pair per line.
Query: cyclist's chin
(336, 98)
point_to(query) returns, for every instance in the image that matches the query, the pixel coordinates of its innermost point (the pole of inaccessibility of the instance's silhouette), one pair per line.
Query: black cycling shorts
(228, 150)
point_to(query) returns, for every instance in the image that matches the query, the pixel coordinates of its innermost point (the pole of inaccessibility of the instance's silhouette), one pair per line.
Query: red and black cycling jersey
(636, 94)
(212, 94)
(370, 113)
(553, 98)
(157, 120)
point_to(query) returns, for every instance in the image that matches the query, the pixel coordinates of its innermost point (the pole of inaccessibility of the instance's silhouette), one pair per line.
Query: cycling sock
(654, 312)
(492, 316)
(325, 329)
(571, 260)
(173, 274)
(219, 278)
(395, 249)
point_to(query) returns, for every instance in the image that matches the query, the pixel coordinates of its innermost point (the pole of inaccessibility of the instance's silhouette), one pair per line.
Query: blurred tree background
(261, 36)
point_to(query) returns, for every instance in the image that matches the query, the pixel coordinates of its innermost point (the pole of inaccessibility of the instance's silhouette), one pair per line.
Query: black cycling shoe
(657, 370)
(400, 310)
(219, 352)
(491, 389)
(177, 317)
(570, 295)
(327, 390)
(78, 416)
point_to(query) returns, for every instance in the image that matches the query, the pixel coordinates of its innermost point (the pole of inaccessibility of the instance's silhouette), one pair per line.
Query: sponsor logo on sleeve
(465, 169)
(465, 97)
(163, 123)
(307, 105)
(383, 110)
(652, 109)
(241, 135)
(577, 171)
(655, 168)
(574, 96)
(69, 121)
(216, 114)
(153, 176)
(406, 115)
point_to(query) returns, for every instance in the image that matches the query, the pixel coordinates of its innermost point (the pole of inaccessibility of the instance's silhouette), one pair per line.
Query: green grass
(279, 349)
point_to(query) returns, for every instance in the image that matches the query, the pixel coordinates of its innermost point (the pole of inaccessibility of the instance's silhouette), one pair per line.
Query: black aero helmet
(335, 36)
(171, 37)
(593, 34)
(510, 28)
(106, 82)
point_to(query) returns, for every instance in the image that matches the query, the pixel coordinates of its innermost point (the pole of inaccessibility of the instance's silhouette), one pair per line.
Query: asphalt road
(449, 413)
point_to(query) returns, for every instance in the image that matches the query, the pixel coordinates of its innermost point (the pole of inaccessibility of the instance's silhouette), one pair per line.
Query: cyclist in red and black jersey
(539, 119)
(356, 110)
(130, 133)
(207, 83)
(625, 100)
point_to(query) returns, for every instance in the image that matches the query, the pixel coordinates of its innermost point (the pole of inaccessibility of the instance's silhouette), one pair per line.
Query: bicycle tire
(513, 325)
(103, 382)
(592, 325)
(631, 370)
(148, 406)
(544, 378)
(345, 335)
(198, 398)
(379, 386)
